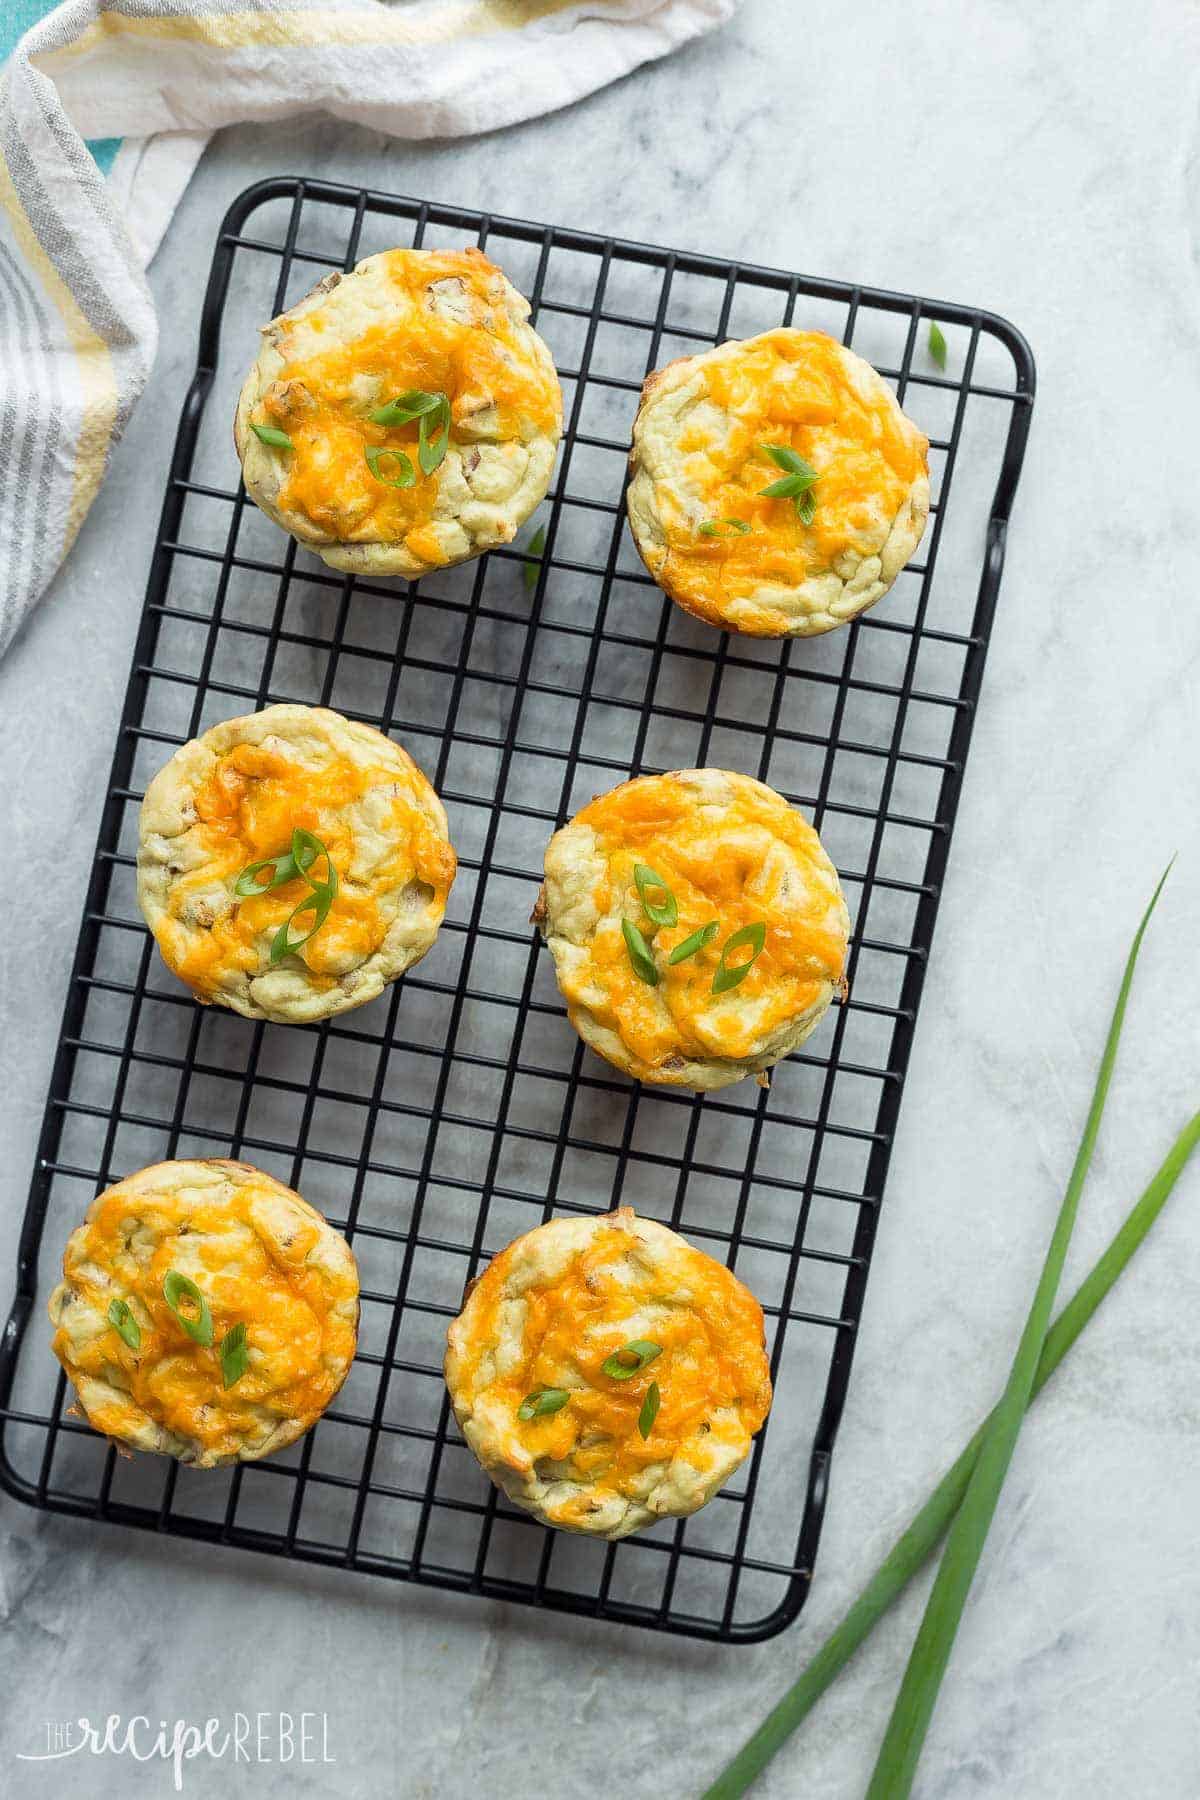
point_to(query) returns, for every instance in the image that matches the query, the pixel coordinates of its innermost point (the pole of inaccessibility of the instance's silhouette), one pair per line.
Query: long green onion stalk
(905, 1735)
(925, 1532)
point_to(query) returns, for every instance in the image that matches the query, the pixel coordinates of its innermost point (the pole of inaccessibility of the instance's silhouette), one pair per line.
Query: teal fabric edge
(104, 150)
(16, 16)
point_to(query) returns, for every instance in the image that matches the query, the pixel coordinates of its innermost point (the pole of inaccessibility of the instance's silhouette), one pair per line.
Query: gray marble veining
(1045, 167)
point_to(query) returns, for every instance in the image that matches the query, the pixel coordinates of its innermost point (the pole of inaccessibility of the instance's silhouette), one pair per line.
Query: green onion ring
(649, 1412)
(286, 864)
(431, 452)
(640, 1352)
(177, 1287)
(318, 901)
(541, 1402)
(308, 849)
(120, 1317)
(725, 977)
(235, 1357)
(697, 941)
(375, 454)
(406, 407)
(664, 911)
(644, 966)
(270, 434)
(784, 457)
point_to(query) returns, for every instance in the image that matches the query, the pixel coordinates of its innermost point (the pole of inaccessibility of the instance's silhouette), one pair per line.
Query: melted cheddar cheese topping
(552, 1308)
(470, 348)
(749, 859)
(260, 1256)
(355, 790)
(801, 390)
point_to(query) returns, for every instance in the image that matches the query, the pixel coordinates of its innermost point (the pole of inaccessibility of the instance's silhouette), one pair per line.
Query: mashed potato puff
(741, 921)
(714, 431)
(443, 324)
(232, 799)
(267, 1266)
(607, 1374)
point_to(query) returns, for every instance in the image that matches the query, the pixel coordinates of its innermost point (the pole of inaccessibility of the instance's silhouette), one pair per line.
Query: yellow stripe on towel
(96, 376)
(312, 27)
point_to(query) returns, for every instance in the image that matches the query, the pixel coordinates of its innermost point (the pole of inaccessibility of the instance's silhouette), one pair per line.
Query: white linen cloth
(77, 323)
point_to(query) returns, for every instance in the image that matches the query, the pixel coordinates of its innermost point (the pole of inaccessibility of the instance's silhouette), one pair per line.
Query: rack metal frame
(766, 1154)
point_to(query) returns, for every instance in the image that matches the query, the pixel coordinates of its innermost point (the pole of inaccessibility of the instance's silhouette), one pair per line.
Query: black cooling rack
(459, 1109)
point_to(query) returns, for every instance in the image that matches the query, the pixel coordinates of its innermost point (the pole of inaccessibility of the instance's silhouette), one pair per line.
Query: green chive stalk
(923, 1535)
(905, 1734)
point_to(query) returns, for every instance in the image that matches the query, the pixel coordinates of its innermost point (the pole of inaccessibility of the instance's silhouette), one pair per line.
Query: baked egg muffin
(402, 417)
(291, 863)
(206, 1312)
(777, 488)
(697, 927)
(607, 1374)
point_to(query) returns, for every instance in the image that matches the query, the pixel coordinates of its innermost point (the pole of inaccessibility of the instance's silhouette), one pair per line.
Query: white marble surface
(1046, 166)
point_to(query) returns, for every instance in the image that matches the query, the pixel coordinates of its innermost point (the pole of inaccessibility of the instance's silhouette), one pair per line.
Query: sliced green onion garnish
(282, 868)
(697, 941)
(796, 484)
(535, 546)
(428, 410)
(285, 866)
(318, 903)
(270, 434)
(631, 1359)
(288, 865)
(235, 1357)
(541, 1402)
(406, 407)
(124, 1324)
(649, 1412)
(405, 474)
(784, 457)
(798, 489)
(197, 1322)
(719, 527)
(640, 956)
(431, 451)
(308, 849)
(664, 911)
(754, 936)
(937, 344)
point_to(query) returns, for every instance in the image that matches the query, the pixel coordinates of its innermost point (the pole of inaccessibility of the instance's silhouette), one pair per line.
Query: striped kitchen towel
(77, 324)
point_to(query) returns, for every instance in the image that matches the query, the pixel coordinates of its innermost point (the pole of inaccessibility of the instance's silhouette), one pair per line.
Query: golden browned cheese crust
(234, 797)
(548, 1313)
(736, 858)
(432, 321)
(262, 1258)
(752, 563)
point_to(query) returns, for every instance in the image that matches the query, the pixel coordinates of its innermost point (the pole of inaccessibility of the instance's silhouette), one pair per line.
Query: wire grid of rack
(459, 1108)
